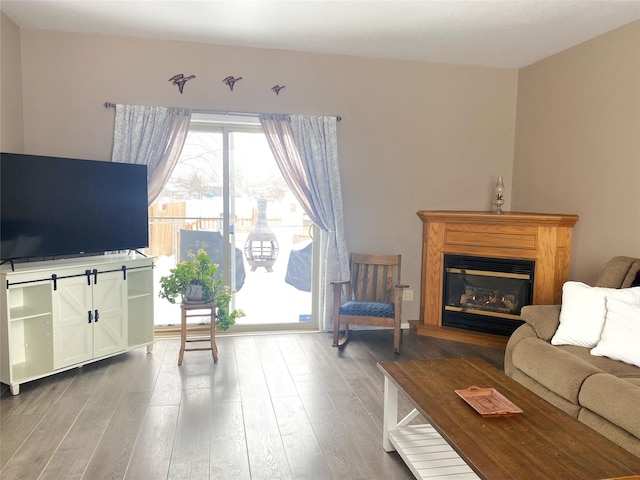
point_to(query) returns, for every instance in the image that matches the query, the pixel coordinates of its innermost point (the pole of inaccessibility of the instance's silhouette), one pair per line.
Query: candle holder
(498, 197)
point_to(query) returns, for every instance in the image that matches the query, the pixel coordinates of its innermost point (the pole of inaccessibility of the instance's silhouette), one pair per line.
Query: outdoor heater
(261, 247)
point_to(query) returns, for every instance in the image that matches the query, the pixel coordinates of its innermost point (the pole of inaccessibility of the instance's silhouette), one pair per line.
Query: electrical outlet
(407, 295)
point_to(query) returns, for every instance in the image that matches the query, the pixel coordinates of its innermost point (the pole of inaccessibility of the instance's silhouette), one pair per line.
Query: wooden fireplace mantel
(542, 238)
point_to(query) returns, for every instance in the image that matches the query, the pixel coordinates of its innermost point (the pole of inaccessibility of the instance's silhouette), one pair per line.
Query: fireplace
(541, 240)
(485, 294)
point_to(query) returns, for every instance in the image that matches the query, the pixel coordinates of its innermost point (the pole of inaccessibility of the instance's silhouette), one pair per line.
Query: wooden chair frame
(374, 278)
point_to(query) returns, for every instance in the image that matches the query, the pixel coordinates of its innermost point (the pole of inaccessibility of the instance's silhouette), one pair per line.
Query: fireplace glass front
(486, 294)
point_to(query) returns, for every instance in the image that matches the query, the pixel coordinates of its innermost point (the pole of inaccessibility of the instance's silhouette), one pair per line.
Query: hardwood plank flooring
(281, 406)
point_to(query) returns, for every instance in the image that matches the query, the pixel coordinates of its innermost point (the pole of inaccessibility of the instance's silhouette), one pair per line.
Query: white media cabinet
(61, 314)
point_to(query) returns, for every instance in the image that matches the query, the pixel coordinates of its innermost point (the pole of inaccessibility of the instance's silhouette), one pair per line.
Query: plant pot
(195, 294)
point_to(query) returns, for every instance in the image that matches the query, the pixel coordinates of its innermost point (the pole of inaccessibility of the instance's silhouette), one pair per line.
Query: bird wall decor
(180, 80)
(277, 88)
(230, 81)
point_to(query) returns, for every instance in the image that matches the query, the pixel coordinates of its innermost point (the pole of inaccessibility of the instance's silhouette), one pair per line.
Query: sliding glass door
(226, 196)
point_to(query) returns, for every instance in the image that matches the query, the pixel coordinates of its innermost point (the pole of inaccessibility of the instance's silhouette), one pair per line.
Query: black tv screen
(53, 207)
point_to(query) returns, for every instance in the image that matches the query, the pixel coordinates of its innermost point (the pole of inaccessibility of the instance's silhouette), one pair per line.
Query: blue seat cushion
(368, 309)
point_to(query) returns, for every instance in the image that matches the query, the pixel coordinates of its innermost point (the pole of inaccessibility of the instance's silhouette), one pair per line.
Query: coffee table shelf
(428, 455)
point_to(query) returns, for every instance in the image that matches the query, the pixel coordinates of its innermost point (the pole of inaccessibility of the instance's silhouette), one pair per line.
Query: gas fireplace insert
(486, 294)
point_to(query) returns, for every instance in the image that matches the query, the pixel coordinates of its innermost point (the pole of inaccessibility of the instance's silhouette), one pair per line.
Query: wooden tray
(488, 402)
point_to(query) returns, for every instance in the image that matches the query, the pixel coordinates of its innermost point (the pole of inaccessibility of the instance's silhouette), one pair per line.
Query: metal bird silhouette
(277, 88)
(180, 80)
(230, 81)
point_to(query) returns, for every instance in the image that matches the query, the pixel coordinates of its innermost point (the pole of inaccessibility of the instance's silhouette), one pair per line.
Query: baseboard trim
(459, 335)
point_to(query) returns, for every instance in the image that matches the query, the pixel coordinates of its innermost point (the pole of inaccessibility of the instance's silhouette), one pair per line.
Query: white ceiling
(507, 33)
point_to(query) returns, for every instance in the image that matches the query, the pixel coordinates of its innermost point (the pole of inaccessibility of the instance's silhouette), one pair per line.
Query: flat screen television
(53, 207)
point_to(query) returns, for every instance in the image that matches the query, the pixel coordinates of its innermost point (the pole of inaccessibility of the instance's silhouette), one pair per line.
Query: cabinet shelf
(133, 294)
(30, 370)
(27, 311)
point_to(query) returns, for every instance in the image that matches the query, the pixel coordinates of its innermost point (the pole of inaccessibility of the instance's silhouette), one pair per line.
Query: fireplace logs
(482, 299)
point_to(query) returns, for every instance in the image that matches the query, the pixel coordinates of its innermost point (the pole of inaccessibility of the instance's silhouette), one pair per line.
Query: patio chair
(211, 242)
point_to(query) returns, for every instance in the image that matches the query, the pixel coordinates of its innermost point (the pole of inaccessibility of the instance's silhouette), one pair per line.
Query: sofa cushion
(620, 338)
(619, 272)
(556, 369)
(634, 381)
(614, 433)
(368, 309)
(557, 401)
(607, 365)
(583, 312)
(614, 399)
(634, 268)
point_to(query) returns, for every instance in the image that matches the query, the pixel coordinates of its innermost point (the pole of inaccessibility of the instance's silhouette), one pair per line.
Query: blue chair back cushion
(368, 309)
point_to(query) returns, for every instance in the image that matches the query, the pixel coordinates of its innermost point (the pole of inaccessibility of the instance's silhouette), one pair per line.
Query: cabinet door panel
(72, 333)
(110, 300)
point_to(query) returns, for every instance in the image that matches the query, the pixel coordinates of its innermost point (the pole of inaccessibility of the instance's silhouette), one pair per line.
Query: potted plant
(196, 280)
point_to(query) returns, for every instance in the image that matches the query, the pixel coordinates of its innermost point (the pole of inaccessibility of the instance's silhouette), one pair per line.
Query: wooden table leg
(183, 335)
(214, 347)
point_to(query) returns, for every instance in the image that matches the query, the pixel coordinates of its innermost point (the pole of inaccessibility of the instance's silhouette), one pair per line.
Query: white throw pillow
(621, 334)
(584, 310)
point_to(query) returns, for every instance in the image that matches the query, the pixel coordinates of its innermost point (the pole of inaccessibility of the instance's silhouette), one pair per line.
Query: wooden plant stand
(201, 310)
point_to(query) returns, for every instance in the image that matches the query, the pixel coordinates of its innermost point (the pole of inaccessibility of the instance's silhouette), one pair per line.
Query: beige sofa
(600, 392)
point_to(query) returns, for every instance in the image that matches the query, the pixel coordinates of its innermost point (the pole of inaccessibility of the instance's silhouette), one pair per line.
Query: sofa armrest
(544, 319)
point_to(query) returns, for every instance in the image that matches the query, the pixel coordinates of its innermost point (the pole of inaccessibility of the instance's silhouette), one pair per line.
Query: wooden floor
(286, 406)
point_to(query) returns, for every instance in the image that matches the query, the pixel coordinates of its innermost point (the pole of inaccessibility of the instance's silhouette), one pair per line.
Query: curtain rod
(218, 112)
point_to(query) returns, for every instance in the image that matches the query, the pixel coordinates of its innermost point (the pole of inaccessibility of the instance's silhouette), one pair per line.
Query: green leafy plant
(198, 270)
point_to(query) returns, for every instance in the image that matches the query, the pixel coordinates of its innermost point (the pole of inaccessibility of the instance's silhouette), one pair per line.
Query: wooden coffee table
(541, 443)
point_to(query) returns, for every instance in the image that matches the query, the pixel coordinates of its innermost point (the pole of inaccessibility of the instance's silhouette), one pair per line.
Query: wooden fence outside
(166, 221)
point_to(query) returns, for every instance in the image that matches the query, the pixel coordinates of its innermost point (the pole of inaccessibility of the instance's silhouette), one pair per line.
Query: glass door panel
(187, 215)
(274, 235)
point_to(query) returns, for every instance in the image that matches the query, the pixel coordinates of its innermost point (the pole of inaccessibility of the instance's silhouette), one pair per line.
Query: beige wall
(413, 136)
(11, 128)
(578, 145)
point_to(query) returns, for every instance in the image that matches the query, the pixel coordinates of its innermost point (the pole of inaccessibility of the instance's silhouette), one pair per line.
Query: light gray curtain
(152, 136)
(306, 151)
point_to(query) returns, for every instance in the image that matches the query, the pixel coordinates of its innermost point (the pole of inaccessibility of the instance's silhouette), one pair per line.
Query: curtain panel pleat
(152, 136)
(306, 151)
